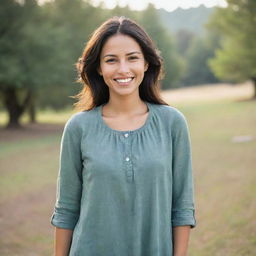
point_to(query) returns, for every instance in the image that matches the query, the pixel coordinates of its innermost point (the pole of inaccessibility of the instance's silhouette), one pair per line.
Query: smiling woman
(125, 183)
(122, 65)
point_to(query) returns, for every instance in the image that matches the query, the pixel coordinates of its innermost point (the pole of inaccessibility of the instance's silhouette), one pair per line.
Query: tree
(25, 47)
(196, 69)
(236, 58)
(39, 47)
(68, 22)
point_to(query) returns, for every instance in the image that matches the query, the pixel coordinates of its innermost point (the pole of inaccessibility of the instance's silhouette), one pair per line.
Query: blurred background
(209, 51)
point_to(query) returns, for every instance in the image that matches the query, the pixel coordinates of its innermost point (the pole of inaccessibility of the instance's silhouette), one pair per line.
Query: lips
(124, 80)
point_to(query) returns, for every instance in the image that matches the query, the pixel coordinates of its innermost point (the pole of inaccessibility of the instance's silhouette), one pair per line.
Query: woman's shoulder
(81, 119)
(168, 112)
(171, 118)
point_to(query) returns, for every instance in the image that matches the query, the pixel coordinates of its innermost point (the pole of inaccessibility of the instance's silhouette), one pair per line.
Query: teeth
(126, 80)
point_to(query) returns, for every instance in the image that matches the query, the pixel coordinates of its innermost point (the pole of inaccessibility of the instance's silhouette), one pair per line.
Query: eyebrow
(113, 55)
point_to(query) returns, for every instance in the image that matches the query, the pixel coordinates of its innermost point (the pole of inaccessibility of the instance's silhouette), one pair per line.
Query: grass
(224, 178)
(9, 148)
(44, 116)
(224, 174)
(29, 170)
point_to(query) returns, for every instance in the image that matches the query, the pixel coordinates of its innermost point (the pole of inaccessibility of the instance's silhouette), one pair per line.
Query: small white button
(126, 135)
(127, 159)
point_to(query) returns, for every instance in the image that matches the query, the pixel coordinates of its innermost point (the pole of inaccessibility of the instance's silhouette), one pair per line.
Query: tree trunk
(14, 108)
(254, 84)
(32, 109)
(32, 114)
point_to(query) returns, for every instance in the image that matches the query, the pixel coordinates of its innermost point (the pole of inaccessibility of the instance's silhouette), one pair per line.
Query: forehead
(118, 44)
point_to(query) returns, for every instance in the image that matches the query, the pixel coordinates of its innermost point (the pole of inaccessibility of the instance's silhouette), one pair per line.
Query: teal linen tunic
(123, 191)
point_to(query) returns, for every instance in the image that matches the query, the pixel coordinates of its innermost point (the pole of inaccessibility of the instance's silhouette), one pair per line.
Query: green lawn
(224, 173)
(224, 178)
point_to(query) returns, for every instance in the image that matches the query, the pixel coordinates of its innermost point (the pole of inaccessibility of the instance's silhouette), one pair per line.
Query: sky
(169, 5)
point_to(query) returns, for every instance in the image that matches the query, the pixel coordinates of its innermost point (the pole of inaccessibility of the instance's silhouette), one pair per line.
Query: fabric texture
(123, 191)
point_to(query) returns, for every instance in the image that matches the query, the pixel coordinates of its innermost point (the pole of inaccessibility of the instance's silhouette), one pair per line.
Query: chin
(124, 91)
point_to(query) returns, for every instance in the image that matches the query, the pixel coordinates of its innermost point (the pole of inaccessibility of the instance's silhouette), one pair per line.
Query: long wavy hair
(95, 92)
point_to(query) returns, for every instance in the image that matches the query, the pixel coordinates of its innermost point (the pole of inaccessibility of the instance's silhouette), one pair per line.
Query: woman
(125, 184)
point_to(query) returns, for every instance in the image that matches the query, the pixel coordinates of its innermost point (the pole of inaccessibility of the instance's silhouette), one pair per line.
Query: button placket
(128, 157)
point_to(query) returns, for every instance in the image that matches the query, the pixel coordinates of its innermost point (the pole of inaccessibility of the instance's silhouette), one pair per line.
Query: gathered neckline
(146, 123)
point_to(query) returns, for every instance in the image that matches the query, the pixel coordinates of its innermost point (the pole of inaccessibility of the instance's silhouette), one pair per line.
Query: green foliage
(193, 46)
(25, 47)
(183, 39)
(236, 59)
(197, 70)
(10, 29)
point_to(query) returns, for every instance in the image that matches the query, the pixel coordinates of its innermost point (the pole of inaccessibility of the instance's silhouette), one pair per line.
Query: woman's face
(122, 65)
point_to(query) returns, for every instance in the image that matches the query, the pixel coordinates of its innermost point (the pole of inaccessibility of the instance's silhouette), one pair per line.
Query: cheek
(140, 71)
(106, 72)
(139, 67)
(107, 69)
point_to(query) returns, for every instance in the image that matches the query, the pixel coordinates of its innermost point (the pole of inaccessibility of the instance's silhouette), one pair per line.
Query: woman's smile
(124, 81)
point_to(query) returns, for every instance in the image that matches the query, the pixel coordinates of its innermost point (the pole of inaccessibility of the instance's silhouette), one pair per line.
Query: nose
(123, 67)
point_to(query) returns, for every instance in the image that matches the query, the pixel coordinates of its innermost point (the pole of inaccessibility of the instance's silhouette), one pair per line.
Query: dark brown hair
(95, 92)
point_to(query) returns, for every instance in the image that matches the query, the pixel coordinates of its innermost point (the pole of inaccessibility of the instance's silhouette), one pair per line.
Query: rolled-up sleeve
(183, 210)
(69, 181)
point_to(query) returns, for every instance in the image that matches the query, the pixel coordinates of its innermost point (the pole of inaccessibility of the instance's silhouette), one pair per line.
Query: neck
(125, 106)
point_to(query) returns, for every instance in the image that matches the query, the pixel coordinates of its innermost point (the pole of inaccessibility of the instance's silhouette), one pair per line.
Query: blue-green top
(123, 191)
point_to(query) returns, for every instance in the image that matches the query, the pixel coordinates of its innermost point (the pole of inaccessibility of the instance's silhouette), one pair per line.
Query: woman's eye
(133, 58)
(110, 60)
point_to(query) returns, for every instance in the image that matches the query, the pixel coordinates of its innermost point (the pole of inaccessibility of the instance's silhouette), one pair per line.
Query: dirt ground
(30, 131)
(25, 211)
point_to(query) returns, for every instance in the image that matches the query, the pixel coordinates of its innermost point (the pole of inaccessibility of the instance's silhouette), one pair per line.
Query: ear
(145, 67)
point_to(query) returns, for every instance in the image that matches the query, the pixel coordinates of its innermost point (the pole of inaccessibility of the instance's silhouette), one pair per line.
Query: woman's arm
(183, 218)
(180, 240)
(69, 188)
(63, 238)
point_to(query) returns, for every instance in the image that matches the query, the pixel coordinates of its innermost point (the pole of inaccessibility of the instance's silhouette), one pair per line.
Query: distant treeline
(191, 19)
(40, 45)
